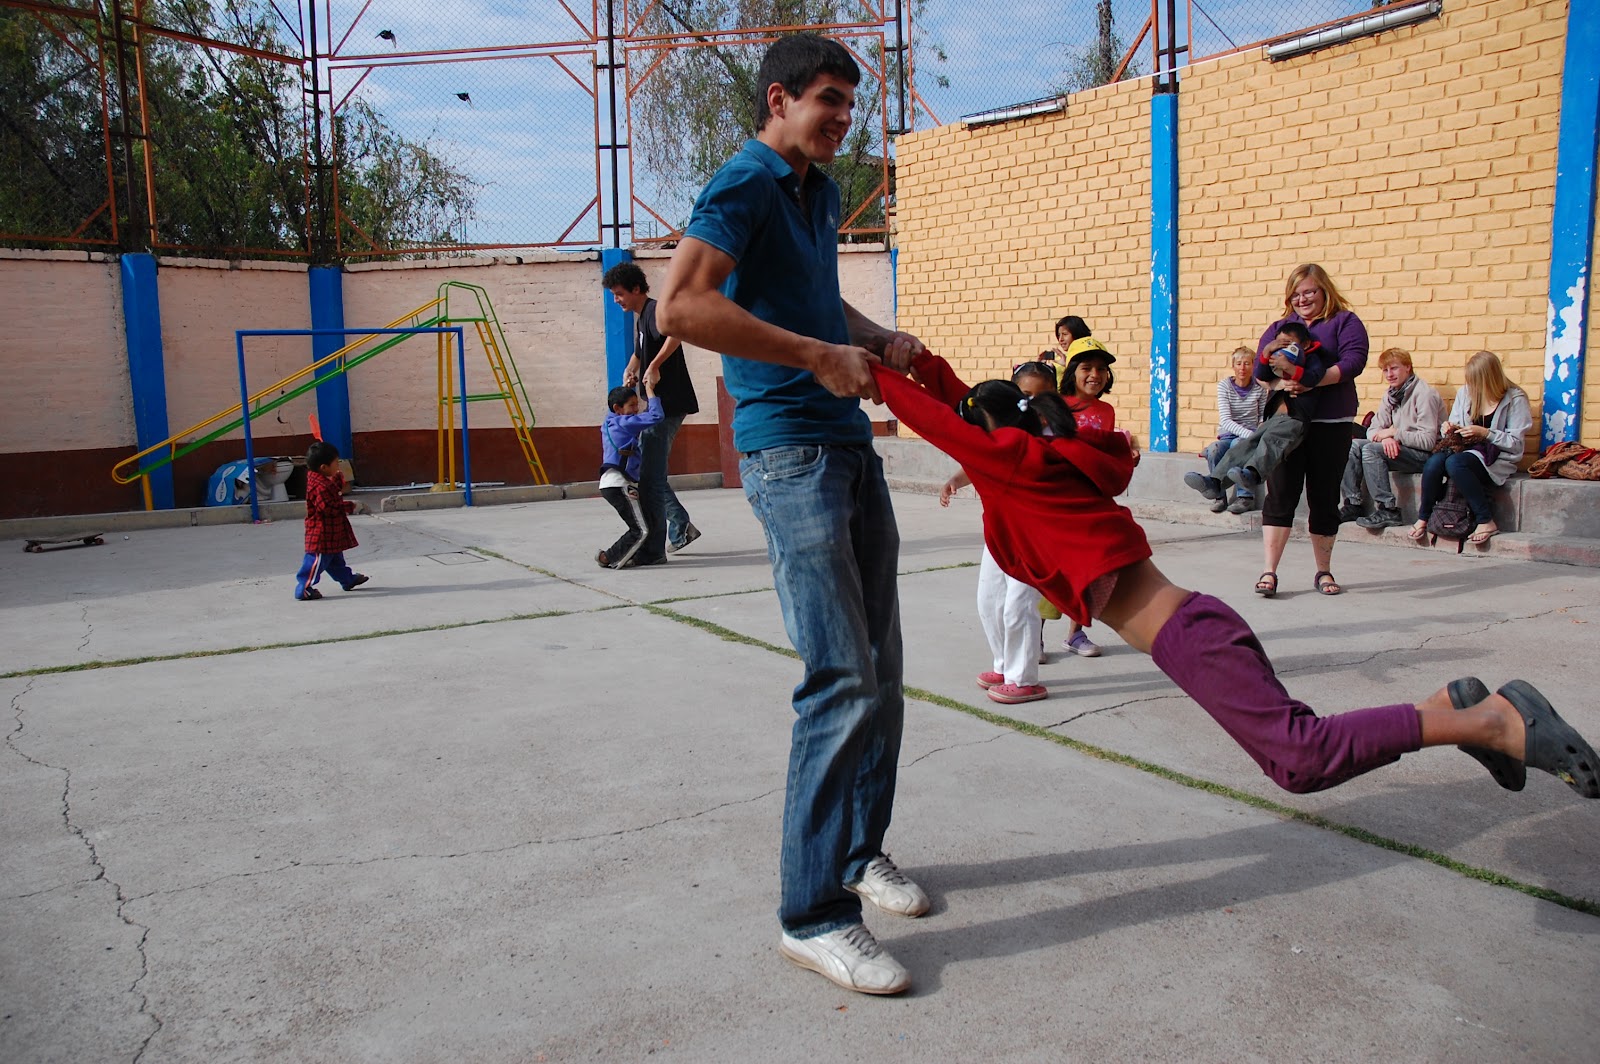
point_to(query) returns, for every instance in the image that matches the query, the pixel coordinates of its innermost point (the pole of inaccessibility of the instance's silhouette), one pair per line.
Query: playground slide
(435, 313)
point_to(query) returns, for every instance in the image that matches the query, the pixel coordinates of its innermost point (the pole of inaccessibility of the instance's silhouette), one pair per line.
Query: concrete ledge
(1541, 520)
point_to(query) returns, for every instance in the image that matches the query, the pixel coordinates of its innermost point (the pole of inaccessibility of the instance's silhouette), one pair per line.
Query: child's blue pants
(314, 565)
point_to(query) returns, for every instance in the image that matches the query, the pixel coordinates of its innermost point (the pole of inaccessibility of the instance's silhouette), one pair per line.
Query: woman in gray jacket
(1491, 416)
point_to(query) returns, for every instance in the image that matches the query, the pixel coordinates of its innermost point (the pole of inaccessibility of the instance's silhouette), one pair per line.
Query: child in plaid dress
(328, 531)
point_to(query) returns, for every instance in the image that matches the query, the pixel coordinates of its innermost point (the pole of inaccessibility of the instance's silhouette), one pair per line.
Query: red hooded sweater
(1048, 515)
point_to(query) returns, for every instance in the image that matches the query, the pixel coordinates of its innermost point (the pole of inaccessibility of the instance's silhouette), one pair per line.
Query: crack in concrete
(88, 629)
(491, 851)
(1423, 645)
(1115, 705)
(957, 746)
(94, 861)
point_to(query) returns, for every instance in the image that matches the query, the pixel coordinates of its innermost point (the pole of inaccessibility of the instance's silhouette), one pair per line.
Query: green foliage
(230, 142)
(52, 138)
(697, 107)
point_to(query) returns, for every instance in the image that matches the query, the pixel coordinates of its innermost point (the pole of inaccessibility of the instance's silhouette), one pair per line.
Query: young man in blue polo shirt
(756, 278)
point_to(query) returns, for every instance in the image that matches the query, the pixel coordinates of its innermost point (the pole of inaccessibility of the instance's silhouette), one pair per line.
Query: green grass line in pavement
(523, 565)
(221, 652)
(1583, 905)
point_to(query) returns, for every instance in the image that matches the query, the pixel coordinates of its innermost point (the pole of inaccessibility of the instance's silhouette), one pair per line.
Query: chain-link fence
(362, 128)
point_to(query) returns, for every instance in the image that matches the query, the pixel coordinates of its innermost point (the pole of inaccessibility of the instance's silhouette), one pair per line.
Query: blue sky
(527, 134)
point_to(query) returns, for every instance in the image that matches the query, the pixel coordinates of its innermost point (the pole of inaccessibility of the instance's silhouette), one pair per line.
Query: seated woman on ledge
(1492, 416)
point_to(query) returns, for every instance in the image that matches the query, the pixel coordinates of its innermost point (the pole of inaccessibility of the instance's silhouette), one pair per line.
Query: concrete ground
(502, 805)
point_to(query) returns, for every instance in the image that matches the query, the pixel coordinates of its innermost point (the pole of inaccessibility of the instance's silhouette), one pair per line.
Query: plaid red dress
(328, 528)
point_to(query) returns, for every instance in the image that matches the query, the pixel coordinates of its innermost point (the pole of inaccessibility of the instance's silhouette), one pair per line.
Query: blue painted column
(333, 389)
(894, 286)
(1572, 228)
(147, 371)
(619, 325)
(1164, 271)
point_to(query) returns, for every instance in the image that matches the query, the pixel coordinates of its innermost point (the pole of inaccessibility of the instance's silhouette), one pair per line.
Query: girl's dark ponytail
(1001, 404)
(1052, 410)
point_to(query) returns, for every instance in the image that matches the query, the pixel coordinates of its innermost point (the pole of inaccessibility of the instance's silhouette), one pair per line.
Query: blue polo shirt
(787, 274)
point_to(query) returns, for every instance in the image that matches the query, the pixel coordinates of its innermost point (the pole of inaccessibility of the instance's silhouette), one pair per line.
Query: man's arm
(652, 372)
(693, 309)
(895, 348)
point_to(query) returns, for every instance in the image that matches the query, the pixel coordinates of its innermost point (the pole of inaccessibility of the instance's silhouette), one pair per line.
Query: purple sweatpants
(1210, 652)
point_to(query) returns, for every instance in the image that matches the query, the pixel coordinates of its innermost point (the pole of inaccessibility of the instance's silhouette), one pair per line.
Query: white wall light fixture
(1047, 106)
(1387, 19)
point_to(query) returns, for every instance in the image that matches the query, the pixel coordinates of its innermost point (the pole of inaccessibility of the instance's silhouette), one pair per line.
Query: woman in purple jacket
(1317, 464)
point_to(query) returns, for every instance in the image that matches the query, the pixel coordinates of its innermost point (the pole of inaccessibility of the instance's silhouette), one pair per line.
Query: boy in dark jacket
(619, 470)
(1250, 460)
(328, 531)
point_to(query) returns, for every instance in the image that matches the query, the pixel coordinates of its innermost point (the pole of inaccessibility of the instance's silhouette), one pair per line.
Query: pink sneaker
(1012, 693)
(987, 680)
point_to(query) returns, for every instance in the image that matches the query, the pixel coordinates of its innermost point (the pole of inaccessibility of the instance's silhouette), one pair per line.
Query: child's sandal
(1267, 584)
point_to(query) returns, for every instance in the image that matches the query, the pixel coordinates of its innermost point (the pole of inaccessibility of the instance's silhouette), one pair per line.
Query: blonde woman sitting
(1491, 418)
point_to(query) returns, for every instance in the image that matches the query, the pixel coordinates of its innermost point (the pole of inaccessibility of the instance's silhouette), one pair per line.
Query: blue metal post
(249, 444)
(894, 285)
(1163, 271)
(147, 375)
(333, 389)
(619, 325)
(466, 439)
(1572, 228)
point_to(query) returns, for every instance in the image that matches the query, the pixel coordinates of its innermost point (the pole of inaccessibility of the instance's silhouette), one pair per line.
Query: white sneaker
(887, 887)
(850, 957)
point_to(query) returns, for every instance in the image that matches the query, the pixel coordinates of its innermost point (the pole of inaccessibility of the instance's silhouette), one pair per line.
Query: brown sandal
(1267, 584)
(1324, 581)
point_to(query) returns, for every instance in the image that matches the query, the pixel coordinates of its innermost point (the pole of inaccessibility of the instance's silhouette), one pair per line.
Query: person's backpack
(1452, 519)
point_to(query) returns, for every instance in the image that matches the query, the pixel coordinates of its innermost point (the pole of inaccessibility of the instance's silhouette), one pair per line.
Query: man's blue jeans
(834, 548)
(667, 518)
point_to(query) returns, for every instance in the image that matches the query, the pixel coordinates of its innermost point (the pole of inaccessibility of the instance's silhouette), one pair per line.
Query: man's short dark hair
(618, 397)
(1076, 327)
(795, 62)
(320, 453)
(626, 276)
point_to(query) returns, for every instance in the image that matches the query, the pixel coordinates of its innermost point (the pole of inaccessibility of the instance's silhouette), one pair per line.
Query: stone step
(1544, 520)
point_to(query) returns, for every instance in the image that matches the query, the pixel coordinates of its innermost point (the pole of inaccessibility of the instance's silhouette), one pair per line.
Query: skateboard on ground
(39, 546)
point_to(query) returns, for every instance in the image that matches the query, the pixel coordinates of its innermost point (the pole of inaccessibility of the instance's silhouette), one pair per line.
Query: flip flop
(1418, 532)
(1482, 536)
(1507, 771)
(1553, 745)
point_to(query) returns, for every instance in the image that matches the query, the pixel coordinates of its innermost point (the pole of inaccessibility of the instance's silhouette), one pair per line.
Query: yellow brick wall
(1417, 166)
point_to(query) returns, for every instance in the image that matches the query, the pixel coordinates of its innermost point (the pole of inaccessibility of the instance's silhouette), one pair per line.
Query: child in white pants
(1009, 611)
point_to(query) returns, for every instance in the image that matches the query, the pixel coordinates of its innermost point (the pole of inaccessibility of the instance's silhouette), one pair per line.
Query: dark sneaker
(360, 579)
(1210, 487)
(690, 534)
(310, 594)
(1349, 512)
(1382, 518)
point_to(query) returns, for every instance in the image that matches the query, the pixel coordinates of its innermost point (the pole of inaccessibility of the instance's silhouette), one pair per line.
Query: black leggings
(1317, 465)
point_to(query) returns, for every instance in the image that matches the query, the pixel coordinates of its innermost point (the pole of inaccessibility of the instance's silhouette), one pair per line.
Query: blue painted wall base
(1163, 271)
(619, 325)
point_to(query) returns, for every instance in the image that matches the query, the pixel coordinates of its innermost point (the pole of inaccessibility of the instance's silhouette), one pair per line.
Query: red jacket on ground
(1049, 517)
(328, 528)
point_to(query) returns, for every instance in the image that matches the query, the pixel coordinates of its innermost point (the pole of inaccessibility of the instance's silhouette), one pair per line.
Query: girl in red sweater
(1050, 521)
